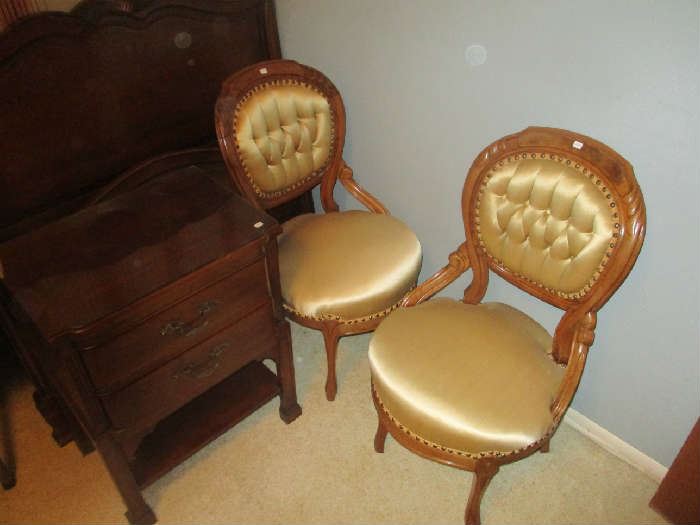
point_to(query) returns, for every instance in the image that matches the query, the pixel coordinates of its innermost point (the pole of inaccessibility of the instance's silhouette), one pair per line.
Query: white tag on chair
(263, 70)
(258, 224)
(577, 144)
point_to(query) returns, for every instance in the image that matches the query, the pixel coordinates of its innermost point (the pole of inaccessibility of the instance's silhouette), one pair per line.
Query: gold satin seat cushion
(474, 378)
(347, 265)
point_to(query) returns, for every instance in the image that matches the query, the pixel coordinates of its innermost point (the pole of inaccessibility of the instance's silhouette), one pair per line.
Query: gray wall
(624, 72)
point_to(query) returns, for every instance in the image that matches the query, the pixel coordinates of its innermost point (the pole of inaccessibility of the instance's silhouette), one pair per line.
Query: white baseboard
(615, 445)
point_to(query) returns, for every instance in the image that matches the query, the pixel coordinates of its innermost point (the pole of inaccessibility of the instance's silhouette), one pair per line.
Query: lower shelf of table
(202, 420)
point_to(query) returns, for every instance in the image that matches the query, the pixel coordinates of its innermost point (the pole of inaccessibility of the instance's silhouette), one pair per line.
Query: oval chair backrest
(281, 128)
(558, 214)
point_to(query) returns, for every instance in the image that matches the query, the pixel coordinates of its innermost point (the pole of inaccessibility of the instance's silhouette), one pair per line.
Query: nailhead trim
(582, 292)
(315, 174)
(454, 451)
(331, 317)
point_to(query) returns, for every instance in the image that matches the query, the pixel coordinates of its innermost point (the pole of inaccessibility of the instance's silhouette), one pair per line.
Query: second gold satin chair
(281, 130)
(477, 385)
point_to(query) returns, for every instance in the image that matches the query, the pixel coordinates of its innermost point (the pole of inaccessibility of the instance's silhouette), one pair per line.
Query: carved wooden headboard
(89, 94)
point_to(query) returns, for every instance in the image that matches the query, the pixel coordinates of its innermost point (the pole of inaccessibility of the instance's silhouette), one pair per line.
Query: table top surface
(83, 267)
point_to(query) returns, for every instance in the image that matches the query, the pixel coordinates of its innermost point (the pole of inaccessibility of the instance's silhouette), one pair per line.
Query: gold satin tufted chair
(281, 130)
(476, 385)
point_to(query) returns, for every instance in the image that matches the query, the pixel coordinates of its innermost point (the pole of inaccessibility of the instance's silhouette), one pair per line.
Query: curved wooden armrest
(457, 265)
(582, 339)
(368, 200)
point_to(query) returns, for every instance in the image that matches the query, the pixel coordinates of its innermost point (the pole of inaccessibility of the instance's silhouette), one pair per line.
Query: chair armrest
(365, 198)
(457, 265)
(579, 342)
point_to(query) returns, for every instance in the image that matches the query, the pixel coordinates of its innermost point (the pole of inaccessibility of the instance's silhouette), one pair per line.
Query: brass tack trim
(333, 317)
(454, 451)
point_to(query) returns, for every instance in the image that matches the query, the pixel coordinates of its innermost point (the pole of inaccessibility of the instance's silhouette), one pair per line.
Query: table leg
(7, 476)
(289, 408)
(138, 511)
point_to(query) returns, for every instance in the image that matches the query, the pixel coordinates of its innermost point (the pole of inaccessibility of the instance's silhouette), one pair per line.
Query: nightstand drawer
(171, 332)
(171, 386)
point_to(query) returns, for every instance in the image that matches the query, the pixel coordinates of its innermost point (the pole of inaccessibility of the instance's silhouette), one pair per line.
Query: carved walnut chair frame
(575, 331)
(233, 91)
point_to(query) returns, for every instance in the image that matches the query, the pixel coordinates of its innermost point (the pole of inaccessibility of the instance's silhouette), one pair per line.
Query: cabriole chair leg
(330, 338)
(380, 437)
(484, 471)
(545, 447)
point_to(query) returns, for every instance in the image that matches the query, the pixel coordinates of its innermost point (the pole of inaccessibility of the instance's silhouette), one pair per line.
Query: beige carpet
(321, 469)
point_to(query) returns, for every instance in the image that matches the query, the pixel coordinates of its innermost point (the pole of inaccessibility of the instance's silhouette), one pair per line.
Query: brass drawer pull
(206, 367)
(188, 328)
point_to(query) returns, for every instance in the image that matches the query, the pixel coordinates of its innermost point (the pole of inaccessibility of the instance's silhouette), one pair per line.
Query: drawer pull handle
(189, 328)
(206, 367)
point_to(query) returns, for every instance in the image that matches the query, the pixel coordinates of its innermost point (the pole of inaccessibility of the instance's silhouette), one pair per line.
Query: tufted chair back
(478, 385)
(558, 214)
(281, 127)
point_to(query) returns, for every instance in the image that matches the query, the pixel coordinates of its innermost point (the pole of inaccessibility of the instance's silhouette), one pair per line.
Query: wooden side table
(144, 321)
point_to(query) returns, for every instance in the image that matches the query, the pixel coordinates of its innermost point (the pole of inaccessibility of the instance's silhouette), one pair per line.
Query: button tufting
(512, 192)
